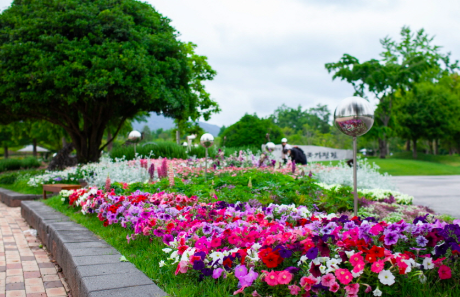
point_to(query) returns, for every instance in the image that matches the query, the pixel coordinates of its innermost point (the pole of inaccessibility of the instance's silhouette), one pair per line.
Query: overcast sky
(270, 52)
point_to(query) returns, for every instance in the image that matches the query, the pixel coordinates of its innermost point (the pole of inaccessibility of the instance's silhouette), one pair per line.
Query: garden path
(25, 269)
(439, 192)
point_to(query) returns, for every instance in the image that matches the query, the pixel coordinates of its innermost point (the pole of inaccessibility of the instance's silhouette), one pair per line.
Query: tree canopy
(251, 130)
(403, 64)
(84, 64)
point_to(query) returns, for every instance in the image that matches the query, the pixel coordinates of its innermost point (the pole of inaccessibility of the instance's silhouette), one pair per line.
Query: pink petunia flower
(334, 287)
(241, 290)
(352, 289)
(444, 272)
(344, 276)
(294, 289)
(182, 267)
(377, 266)
(284, 277)
(272, 278)
(356, 258)
(358, 267)
(328, 279)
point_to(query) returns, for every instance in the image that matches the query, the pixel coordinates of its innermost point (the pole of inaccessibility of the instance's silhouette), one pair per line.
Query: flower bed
(284, 250)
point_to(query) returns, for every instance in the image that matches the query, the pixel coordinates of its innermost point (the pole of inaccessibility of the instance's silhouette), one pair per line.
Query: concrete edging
(91, 266)
(13, 199)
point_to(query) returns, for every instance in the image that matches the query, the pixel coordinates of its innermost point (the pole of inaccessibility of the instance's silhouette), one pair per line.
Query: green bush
(30, 162)
(164, 149)
(10, 164)
(8, 178)
(170, 150)
(16, 164)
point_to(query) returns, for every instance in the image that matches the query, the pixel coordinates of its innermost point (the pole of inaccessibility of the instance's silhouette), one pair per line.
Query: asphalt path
(439, 192)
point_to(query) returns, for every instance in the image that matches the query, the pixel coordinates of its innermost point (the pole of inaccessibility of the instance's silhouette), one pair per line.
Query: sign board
(316, 153)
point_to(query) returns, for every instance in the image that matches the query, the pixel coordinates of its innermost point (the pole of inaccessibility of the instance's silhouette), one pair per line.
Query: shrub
(8, 178)
(171, 150)
(10, 164)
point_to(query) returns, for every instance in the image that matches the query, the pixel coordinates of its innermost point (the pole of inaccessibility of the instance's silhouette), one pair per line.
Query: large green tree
(430, 111)
(82, 64)
(402, 65)
(251, 130)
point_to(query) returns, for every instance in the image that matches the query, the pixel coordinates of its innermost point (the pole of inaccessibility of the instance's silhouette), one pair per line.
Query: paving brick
(53, 284)
(31, 274)
(15, 286)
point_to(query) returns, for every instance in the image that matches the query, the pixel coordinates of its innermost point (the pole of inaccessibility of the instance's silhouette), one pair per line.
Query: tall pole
(355, 178)
(134, 150)
(206, 165)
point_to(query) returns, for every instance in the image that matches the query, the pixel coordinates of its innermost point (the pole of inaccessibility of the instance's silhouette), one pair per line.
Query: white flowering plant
(368, 175)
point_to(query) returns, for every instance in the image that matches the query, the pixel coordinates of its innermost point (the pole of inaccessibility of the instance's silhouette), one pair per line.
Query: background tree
(402, 65)
(80, 64)
(426, 112)
(251, 130)
(295, 118)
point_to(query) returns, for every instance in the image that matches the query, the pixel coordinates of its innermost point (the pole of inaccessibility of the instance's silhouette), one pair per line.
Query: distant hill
(155, 122)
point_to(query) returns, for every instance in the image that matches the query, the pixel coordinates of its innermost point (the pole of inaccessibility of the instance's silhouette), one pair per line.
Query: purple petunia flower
(285, 253)
(421, 241)
(312, 253)
(391, 238)
(217, 273)
(198, 265)
(207, 229)
(349, 225)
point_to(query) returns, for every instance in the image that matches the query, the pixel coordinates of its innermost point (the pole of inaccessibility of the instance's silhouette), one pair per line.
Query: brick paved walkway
(25, 269)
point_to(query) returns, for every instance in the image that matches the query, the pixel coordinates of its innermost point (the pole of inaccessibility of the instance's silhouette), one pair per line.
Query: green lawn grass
(404, 164)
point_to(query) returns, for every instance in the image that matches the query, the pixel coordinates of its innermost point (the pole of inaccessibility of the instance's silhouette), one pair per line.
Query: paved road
(440, 193)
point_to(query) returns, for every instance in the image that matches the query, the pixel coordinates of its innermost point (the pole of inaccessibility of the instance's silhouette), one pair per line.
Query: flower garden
(254, 229)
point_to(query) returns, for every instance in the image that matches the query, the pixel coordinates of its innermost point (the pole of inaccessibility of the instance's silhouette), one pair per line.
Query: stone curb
(13, 199)
(91, 266)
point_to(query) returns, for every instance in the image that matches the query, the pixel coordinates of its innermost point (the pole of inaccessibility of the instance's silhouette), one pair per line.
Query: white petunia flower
(162, 263)
(377, 292)
(322, 268)
(167, 250)
(349, 253)
(386, 277)
(428, 263)
(357, 274)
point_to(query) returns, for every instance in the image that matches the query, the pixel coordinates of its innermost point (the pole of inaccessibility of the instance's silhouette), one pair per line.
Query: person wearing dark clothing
(296, 155)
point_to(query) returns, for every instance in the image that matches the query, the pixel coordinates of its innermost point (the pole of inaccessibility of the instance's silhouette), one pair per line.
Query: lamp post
(206, 140)
(354, 117)
(134, 136)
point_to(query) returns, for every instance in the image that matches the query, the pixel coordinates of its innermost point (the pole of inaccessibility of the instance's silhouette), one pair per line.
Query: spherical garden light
(354, 117)
(206, 140)
(134, 136)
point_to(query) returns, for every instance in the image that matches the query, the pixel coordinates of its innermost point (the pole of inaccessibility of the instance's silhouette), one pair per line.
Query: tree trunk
(110, 146)
(414, 151)
(436, 146)
(5, 148)
(64, 142)
(408, 146)
(34, 143)
(178, 136)
(382, 148)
